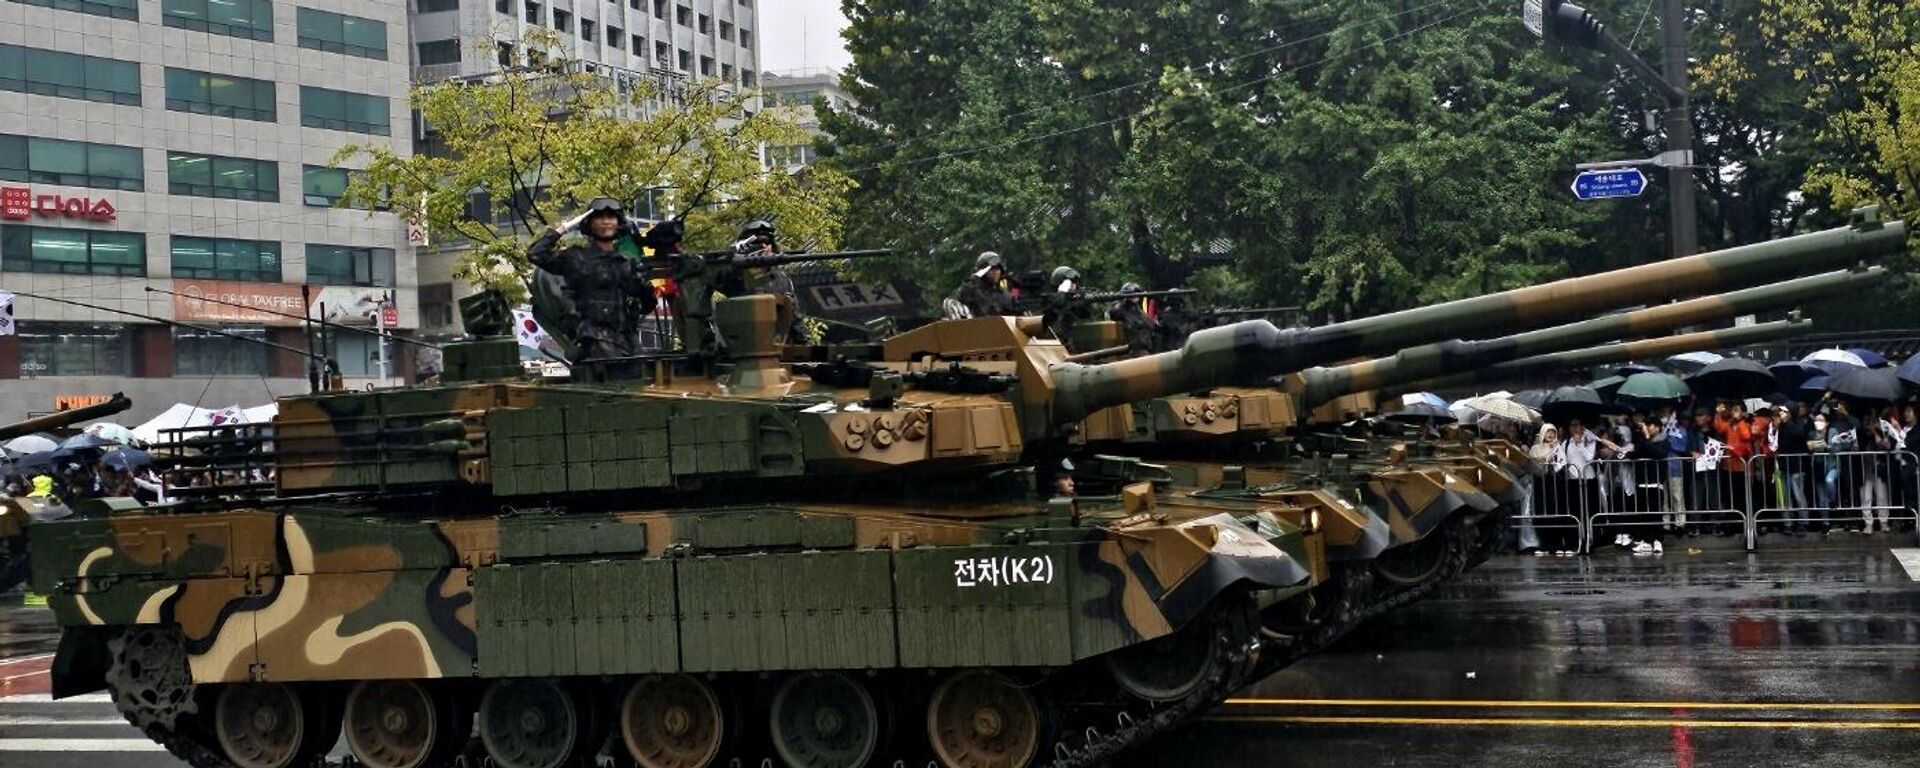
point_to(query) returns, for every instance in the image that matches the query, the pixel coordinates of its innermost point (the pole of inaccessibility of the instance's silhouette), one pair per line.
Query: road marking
(77, 721)
(12, 678)
(45, 656)
(1572, 723)
(1816, 706)
(79, 745)
(1909, 559)
(46, 698)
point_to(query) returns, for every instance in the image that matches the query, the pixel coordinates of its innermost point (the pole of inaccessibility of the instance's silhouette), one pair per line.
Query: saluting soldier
(602, 282)
(984, 292)
(1136, 318)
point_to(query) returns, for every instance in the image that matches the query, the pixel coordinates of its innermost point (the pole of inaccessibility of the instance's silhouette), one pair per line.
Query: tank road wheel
(1167, 668)
(824, 720)
(533, 723)
(1414, 564)
(671, 721)
(399, 724)
(978, 719)
(271, 725)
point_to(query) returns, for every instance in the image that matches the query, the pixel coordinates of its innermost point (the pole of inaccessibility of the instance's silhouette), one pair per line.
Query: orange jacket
(1739, 439)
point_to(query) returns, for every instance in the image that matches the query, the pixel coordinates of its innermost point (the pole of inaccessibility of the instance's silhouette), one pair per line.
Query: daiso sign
(18, 203)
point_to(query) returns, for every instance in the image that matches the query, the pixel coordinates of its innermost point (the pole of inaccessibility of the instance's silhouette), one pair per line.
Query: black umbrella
(1811, 390)
(1875, 385)
(1628, 370)
(84, 440)
(1531, 398)
(1607, 386)
(127, 459)
(1790, 375)
(1733, 377)
(1909, 371)
(1566, 403)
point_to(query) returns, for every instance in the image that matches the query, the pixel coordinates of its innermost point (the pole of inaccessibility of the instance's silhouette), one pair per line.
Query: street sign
(389, 315)
(1602, 185)
(1534, 13)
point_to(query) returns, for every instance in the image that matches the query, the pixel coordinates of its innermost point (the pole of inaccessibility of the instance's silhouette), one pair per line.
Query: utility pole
(1683, 222)
(1561, 20)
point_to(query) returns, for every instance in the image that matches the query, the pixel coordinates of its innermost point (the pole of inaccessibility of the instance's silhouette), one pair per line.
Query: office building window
(358, 354)
(72, 251)
(222, 259)
(198, 353)
(746, 38)
(347, 265)
(726, 31)
(562, 20)
(683, 15)
(616, 38)
(71, 163)
(706, 66)
(639, 46)
(586, 30)
(436, 6)
(503, 54)
(50, 348)
(746, 77)
(209, 93)
(439, 52)
(118, 9)
(323, 186)
(503, 6)
(233, 178)
(660, 9)
(344, 111)
(251, 19)
(726, 72)
(686, 61)
(340, 33)
(69, 75)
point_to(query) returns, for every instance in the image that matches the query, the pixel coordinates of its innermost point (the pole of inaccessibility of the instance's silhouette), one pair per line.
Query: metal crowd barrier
(1835, 489)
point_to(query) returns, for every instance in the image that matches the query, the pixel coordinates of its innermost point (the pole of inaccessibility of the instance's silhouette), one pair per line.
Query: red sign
(19, 203)
(389, 316)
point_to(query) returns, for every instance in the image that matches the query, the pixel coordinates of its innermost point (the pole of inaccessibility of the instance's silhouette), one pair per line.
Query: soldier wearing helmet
(1136, 318)
(603, 283)
(984, 292)
(1063, 308)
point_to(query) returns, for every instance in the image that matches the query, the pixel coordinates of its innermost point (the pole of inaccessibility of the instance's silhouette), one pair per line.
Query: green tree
(1353, 157)
(542, 138)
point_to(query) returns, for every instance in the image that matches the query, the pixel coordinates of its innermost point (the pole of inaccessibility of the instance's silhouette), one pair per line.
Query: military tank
(19, 514)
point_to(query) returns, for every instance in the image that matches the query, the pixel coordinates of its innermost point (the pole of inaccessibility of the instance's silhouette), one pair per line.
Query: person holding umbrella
(1736, 431)
(1581, 450)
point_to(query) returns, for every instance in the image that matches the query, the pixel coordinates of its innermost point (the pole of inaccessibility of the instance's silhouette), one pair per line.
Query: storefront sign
(70, 402)
(17, 203)
(351, 306)
(257, 302)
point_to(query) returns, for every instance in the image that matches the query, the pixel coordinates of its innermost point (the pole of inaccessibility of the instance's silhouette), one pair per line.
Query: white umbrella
(1833, 361)
(1415, 398)
(28, 444)
(1500, 407)
(1692, 361)
(107, 430)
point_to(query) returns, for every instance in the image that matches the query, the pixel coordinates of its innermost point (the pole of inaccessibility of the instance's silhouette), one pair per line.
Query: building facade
(660, 41)
(800, 89)
(169, 158)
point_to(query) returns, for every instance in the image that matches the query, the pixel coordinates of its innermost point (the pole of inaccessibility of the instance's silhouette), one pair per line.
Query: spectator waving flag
(6, 314)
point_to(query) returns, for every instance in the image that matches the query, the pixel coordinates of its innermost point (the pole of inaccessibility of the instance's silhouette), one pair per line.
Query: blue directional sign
(1615, 182)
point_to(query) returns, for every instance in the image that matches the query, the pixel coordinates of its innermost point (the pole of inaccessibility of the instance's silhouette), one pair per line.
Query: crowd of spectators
(1806, 468)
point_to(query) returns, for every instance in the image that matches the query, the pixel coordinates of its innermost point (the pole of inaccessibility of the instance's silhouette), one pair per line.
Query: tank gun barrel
(66, 418)
(1644, 349)
(1315, 386)
(1254, 350)
(752, 260)
(1105, 296)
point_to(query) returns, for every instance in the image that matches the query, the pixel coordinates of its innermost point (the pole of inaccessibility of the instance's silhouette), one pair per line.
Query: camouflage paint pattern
(1645, 349)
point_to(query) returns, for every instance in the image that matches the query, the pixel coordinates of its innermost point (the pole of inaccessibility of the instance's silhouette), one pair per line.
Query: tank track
(1461, 541)
(1236, 649)
(147, 680)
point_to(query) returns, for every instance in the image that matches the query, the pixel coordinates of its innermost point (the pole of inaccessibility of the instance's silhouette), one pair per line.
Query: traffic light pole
(1560, 19)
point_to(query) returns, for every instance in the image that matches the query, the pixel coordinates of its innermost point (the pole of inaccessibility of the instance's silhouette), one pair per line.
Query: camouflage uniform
(600, 282)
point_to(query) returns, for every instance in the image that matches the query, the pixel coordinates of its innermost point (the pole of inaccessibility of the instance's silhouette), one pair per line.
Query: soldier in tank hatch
(984, 292)
(1136, 318)
(602, 281)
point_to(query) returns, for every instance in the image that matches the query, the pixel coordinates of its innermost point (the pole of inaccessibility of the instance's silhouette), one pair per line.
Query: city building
(799, 89)
(629, 41)
(169, 158)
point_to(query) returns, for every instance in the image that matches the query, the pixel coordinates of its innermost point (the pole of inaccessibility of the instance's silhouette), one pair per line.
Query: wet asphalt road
(1786, 658)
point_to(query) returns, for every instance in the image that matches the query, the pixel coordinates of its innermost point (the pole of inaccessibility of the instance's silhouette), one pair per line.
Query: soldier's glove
(572, 224)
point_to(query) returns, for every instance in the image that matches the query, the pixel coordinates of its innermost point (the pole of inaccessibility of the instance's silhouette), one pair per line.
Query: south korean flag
(6, 314)
(528, 332)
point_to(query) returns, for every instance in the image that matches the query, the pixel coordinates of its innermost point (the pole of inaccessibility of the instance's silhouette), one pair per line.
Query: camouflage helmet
(1130, 287)
(1063, 272)
(756, 228)
(987, 261)
(602, 205)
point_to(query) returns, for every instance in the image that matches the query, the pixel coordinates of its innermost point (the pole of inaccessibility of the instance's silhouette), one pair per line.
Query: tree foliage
(541, 139)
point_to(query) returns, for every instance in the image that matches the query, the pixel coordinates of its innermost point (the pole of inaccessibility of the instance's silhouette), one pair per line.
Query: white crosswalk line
(78, 745)
(16, 720)
(42, 698)
(1909, 559)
